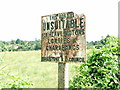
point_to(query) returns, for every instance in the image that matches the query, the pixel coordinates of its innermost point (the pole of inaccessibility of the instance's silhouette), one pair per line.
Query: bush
(15, 81)
(101, 68)
(8, 80)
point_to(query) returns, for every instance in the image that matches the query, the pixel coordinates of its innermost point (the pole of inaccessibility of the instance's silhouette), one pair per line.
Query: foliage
(8, 80)
(97, 44)
(20, 45)
(28, 64)
(101, 68)
(15, 81)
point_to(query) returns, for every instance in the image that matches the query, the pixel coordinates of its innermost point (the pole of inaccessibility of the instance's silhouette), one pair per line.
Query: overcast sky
(22, 18)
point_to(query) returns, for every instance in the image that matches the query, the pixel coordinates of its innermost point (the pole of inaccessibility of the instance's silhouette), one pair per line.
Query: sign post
(63, 41)
(62, 75)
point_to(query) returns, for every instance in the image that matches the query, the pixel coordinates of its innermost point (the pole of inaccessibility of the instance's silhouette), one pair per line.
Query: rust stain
(75, 49)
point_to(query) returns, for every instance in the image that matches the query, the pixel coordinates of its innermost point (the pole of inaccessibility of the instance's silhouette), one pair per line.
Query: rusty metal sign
(63, 37)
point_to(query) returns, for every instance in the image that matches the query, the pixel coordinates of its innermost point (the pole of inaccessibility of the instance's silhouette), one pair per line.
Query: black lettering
(52, 25)
(81, 22)
(72, 23)
(70, 14)
(44, 26)
(67, 24)
(48, 25)
(59, 24)
(76, 23)
(77, 47)
(66, 40)
(56, 25)
(50, 59)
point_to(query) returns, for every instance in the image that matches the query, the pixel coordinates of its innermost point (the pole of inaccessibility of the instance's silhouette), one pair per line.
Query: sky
(22, 18)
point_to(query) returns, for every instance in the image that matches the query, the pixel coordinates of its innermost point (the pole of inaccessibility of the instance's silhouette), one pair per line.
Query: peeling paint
(63, 37)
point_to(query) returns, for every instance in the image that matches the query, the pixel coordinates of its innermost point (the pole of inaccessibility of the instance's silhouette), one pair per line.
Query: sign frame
(63, 55)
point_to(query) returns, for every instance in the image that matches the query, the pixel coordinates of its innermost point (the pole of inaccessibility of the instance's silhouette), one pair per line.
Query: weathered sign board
(63, 37)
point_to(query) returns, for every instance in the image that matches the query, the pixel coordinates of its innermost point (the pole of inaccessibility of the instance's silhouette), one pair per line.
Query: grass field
(28, 64)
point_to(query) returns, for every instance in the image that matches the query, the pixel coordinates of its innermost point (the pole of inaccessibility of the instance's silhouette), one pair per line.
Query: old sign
(63, 37)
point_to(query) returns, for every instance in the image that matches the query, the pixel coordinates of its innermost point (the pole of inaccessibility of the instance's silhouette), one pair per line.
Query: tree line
(20, 45)
(97, 44)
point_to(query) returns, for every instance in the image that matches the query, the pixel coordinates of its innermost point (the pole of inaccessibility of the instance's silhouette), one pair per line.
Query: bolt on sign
(63, 37)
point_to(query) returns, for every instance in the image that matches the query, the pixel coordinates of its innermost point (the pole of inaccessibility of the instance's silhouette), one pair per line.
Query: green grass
(28, 64)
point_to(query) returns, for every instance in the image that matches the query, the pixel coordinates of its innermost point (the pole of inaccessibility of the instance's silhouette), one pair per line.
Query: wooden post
(62, 75)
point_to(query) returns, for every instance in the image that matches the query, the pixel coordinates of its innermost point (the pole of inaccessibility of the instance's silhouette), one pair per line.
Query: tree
(37, 45)
(12, 42)
(18, 41)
